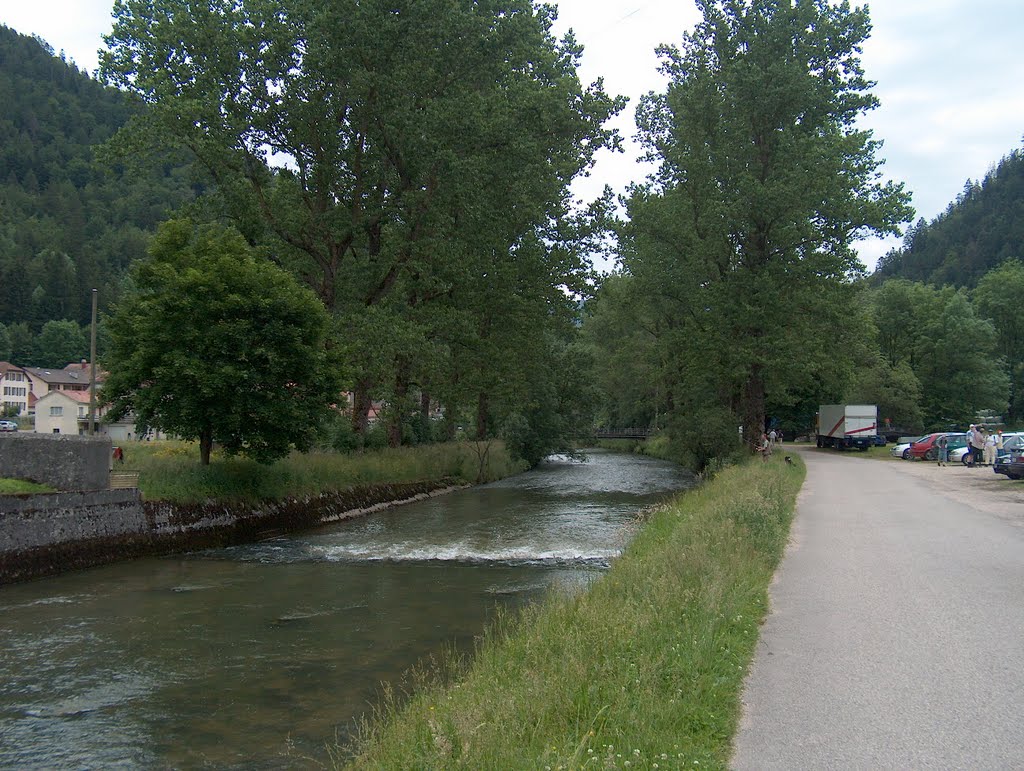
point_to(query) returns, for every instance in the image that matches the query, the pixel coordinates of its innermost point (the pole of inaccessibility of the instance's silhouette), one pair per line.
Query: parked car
(8, 425)
(902, 449)
(1011, 463)
(1011, 441)
(925, 449)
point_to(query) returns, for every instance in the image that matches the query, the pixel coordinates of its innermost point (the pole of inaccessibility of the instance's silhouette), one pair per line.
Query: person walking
(942, 443)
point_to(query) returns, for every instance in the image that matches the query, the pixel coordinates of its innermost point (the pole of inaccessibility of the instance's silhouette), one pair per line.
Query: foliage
(645, 667)
(426, 201)
(219, 346)
(977, 232)
(741, 241)
(67, 224)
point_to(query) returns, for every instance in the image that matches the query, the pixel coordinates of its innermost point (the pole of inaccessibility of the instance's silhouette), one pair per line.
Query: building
(74, 377)
(63, 412)
(15, 389)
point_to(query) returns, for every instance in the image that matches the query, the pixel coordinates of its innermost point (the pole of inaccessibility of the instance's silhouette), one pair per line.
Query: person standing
(772, 437)
(977, 442)
(942, 444)
(990, 449)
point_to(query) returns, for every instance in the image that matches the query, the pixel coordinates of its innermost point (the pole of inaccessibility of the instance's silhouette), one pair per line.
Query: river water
(260, 656)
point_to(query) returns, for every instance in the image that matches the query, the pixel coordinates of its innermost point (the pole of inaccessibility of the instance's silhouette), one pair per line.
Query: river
(260, 656)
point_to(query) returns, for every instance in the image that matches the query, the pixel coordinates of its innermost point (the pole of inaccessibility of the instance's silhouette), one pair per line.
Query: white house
(63, 412)
(16, 388)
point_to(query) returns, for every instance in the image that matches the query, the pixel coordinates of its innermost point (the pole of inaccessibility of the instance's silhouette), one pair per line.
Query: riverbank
(645, 668)
(170, 471)
(184, 506)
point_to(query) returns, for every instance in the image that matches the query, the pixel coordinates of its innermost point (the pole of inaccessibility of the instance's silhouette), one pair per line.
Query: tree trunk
(753, 407)
(398, 404)
(482, 406)
(205, 446)
(449, 422)
(427, 434)
(361, 404)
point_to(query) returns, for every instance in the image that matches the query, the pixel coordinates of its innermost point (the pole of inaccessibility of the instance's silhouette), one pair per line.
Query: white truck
(847, 425)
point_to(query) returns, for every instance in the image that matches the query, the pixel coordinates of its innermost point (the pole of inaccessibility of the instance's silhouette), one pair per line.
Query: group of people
(768, 442)
(983, 446)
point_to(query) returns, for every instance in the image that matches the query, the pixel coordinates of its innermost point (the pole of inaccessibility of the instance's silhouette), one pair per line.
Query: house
(16, 388)
(63, 412)
(74, 377)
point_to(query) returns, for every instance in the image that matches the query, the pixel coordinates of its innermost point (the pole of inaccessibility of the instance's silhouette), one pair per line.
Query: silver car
(8, 425)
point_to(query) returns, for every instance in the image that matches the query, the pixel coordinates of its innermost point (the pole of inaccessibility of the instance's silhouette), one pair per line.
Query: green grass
(646, 667)
(171, 470)
(13, 486)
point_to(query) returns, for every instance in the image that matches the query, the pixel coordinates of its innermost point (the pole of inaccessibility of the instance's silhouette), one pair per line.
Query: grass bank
(643, 670)
(171, 470)
(14, 486)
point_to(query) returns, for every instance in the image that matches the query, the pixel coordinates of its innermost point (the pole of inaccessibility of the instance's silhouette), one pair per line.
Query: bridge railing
(621, 433)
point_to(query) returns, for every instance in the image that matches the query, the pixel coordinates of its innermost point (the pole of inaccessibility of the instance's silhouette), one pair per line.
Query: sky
(949, 75)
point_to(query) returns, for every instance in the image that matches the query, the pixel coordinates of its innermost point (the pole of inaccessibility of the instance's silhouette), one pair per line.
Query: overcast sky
(950, 75)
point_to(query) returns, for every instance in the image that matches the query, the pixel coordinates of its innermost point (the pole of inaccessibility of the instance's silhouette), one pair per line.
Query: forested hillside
(981, 229)
(67, 224)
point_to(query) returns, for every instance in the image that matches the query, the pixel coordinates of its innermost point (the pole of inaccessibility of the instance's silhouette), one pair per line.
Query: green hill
(982, 228)
(67, 224)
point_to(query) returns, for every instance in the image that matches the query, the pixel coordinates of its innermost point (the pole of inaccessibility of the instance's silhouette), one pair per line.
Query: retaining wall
(60, 461)
(54, 533)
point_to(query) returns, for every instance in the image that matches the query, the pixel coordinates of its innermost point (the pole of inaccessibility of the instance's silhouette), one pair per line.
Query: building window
(56, 430)
(56, 412)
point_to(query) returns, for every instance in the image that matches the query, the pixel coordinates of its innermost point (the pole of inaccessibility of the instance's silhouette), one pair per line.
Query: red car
(925, 449)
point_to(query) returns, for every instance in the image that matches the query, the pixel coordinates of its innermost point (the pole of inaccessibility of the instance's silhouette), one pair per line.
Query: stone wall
(58, 460)
(28, 521)
(54, 533)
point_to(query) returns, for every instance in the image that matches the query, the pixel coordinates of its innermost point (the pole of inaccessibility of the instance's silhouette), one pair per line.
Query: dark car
(1011, 463)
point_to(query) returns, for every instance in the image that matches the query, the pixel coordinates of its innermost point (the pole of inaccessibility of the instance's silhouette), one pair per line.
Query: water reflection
(258, 656)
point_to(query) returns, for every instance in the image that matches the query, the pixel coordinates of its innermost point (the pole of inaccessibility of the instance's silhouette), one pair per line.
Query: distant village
(56, 401)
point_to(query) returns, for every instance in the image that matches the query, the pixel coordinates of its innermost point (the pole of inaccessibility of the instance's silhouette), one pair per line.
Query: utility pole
(92, 369)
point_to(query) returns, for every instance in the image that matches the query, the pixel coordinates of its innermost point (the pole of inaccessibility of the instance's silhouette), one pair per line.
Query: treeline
(979, 230)
(930, 357)
(410, 165)
(67, 223)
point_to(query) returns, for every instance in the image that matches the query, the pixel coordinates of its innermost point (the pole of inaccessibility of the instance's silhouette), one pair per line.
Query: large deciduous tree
(219, 346)
(765, 180)
(390, 147)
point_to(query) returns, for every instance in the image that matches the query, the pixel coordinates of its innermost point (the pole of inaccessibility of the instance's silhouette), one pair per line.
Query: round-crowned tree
(218, 345)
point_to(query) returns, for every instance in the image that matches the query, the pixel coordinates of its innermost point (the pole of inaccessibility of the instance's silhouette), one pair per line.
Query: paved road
(896, 635)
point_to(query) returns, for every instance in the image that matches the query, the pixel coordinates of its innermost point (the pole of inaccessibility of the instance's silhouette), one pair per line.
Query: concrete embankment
(52, 533)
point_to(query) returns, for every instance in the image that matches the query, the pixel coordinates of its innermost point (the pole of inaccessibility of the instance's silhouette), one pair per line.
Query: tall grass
(643, 670)
(171, 470)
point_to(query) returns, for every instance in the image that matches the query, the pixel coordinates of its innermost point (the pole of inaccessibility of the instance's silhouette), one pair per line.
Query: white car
(8, 425)
(1011, 441)
(901, 450)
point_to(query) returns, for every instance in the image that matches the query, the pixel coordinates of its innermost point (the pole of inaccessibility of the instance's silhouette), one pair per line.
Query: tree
(764, 183)
(385, 149)
(61, 342)
(220, 346)
(998, 296)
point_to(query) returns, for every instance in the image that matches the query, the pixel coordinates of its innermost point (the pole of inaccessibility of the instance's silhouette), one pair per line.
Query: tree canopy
(395, 156)
(742, 238)
(218, 345)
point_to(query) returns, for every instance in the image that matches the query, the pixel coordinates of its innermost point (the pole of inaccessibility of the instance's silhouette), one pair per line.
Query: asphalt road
(896, 633)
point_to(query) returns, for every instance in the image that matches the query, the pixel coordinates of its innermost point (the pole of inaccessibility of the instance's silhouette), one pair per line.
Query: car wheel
(1013, 476)
(930, 455)
(966, 458)
(906, 454)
